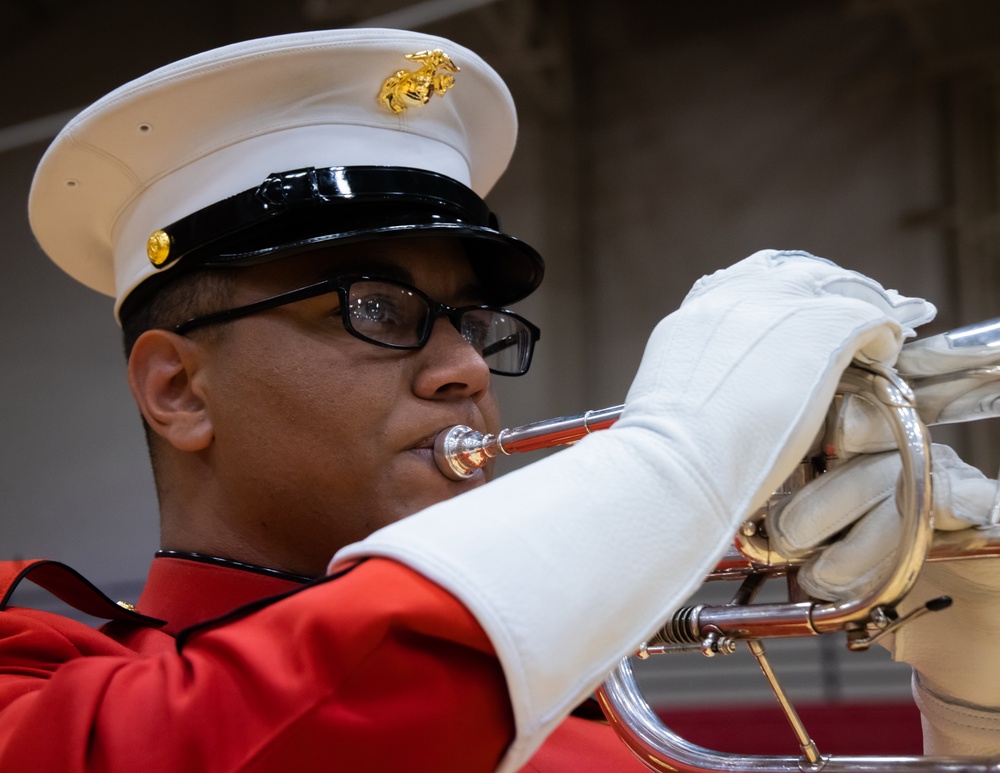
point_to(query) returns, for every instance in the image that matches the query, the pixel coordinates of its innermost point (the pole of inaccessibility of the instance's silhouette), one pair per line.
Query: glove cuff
(953, 727)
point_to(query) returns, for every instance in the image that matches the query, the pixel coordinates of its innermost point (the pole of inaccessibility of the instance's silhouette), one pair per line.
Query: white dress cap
(205, 128)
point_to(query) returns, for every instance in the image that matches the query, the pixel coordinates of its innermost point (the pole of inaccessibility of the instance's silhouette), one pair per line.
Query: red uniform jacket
(375, 669)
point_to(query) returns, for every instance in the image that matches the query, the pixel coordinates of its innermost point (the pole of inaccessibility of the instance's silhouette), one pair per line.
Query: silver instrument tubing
(653, 742)
(461, 450)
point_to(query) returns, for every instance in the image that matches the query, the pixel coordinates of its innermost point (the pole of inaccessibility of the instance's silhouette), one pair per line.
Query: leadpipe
(461, 450)
(966, 394)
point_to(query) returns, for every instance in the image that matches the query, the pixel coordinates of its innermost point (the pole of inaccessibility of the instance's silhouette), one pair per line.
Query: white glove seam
(947, 707)
(704, 478)
(751, 346)
(798, 535)
(880, 566)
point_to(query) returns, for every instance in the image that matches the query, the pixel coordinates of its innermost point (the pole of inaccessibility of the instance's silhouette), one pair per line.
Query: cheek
(273, 393)
(311, 443)
(490, 410)
(324, 402)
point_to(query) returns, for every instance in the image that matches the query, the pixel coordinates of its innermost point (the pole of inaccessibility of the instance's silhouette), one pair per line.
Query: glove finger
(794, 274)
(832, 502)
(968, 347)
(908, 312)
(814, 275)
(858, 428)
(963, 495)
(854, 565)
(970, 505)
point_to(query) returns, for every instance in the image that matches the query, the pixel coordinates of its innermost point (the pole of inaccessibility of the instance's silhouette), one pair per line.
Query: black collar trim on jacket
(254, 606)
(227, 562)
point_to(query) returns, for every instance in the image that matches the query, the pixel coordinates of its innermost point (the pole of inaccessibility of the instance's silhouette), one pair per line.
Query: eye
(386, 313)
(477, 331)
(377, 310)
(373, 310)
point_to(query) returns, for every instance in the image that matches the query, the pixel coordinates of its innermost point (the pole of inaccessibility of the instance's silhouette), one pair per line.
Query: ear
(165, 376)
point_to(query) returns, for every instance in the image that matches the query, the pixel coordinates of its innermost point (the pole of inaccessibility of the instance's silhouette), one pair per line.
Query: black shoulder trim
(70, 586)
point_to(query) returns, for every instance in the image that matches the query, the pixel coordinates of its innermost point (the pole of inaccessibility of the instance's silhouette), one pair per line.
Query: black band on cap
(283, 193)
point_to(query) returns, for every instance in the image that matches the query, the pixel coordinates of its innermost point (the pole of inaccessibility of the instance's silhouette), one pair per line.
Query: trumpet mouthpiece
(461, 451)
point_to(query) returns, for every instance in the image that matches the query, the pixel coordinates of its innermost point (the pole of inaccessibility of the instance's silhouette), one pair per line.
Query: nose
(450, 366)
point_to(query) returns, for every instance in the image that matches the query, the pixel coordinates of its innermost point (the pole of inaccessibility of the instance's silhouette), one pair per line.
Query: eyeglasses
(398, 316)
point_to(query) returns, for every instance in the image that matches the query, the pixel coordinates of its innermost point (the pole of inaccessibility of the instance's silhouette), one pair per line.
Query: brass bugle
(716, 630)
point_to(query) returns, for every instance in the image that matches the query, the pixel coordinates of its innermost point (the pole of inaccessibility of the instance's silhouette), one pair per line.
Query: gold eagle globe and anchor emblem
(405, 89)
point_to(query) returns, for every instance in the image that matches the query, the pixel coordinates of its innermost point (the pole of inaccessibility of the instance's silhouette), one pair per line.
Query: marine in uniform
(311, 287)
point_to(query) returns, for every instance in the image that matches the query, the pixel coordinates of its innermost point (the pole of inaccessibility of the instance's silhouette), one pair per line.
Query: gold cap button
(158, 248)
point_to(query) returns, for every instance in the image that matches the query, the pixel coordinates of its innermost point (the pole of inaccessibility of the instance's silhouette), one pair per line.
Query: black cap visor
(309, 209)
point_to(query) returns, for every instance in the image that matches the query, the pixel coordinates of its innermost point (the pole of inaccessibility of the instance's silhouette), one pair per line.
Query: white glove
(974, 346)
(953, 378)
(953, 374)
(953, 652)
(569, 563)
(954, 655)
(862, 495)
(956, 679)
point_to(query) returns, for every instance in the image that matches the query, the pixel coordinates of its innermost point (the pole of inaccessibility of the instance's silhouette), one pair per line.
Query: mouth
(429, 440)
(426, 443)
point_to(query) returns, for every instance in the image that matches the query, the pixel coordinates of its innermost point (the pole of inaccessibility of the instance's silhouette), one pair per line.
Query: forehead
(432, 264)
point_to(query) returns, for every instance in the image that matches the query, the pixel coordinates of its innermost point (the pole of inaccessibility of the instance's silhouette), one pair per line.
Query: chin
(442, 490)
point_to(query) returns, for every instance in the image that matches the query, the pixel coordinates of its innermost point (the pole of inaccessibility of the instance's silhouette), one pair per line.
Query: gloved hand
(708, 431)
(953, 652)
(861, 496)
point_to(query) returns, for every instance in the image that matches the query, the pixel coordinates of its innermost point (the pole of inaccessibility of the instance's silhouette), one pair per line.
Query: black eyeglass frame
(342, 286)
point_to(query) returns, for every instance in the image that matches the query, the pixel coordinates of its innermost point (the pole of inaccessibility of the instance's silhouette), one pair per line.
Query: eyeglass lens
(396, 316)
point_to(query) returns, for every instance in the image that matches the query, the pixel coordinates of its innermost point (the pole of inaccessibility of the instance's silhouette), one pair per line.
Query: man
(311, 288)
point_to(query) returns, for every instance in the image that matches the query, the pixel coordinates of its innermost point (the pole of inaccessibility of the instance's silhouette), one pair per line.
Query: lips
(428, 440)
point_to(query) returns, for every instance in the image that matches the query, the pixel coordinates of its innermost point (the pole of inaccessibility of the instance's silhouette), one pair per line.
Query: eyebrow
(369, 267)
(377, 269)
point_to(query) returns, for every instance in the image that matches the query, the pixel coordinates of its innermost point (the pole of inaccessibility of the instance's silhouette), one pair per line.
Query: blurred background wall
(659, 142)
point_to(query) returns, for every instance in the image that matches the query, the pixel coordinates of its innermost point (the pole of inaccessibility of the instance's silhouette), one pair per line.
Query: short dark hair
(188, 295)
(191, 294)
